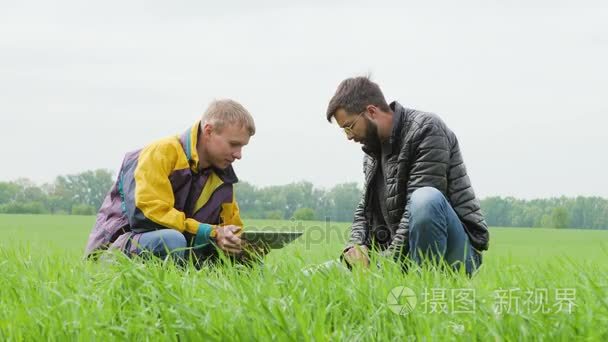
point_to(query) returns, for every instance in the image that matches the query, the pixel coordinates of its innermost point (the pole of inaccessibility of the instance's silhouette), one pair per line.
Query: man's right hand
(357, 255)
(228, 240)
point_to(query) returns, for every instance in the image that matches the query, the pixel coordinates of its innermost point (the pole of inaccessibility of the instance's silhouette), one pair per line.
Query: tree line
(563, 212)
(83, 193)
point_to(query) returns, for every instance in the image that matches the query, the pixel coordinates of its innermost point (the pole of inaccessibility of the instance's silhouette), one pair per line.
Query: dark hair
(354, 94)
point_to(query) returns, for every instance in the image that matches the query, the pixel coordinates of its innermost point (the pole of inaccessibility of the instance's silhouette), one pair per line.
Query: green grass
(49, 293)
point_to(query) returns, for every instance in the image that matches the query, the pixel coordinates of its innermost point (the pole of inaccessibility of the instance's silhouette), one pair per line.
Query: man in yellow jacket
(176, 194)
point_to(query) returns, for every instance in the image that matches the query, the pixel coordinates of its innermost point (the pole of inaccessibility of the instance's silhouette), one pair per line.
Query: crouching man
(175, 197)
(418, 201)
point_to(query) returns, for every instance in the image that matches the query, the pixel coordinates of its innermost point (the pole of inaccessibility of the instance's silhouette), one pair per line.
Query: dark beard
(372, 139)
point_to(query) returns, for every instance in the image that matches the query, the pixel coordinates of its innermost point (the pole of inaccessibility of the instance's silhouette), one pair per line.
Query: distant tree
(8, 192)
(559, 217)
(498, 211)
(83, 209)
(89, 187)
(28, 191)
(343, 199)
(304, 214)
(546, 221)
(23, 208)
(246, 195)
(274, 215)
(297, 195)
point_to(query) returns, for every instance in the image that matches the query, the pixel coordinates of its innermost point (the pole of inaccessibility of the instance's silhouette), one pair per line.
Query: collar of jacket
(398, 119)
(188, 140)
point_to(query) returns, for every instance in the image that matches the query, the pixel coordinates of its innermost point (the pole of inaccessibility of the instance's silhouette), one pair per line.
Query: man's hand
(357, 255)
(228, 240)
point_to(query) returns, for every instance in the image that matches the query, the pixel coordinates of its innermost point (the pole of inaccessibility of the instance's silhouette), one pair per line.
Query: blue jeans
(165, 243)
(437, 233)
(162, 243)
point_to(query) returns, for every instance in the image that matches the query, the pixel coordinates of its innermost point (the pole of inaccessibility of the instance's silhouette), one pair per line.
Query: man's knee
(173, 240)
(163, 242)
(426, 203)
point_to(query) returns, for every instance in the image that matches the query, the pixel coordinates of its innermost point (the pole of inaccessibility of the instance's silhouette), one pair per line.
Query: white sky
(524, 87)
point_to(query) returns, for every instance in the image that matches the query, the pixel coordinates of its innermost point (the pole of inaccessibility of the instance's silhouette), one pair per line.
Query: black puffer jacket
(424, 152)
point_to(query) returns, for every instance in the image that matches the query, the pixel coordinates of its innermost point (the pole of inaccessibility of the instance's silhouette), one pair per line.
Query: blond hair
(227, 111)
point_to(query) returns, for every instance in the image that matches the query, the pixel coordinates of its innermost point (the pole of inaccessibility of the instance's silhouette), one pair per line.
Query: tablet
(270, 239)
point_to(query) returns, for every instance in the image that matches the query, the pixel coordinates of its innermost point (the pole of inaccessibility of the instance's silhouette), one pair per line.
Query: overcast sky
(525, 88)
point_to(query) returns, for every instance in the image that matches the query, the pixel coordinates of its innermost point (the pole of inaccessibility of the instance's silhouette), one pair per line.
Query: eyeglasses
(349, 129)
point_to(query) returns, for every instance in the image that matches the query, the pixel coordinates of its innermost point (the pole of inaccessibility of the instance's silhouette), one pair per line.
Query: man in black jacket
(417, 200)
